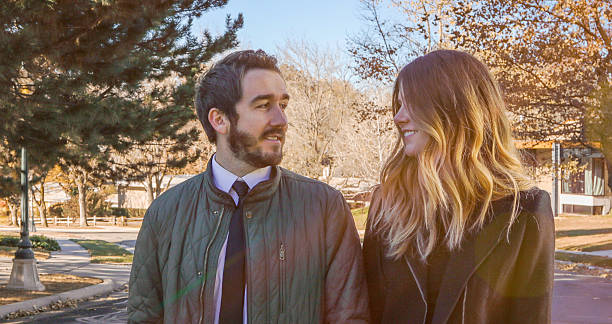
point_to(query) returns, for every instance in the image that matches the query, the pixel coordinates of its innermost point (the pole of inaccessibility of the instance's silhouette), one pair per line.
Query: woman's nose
(401, 117)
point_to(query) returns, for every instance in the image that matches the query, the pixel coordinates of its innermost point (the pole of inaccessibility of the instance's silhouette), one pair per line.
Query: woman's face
(412, 135)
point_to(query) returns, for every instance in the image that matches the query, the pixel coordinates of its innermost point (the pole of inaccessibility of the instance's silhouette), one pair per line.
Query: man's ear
(219, 121)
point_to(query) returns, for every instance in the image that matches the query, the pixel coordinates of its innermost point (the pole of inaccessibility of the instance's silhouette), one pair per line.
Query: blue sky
(269, 23)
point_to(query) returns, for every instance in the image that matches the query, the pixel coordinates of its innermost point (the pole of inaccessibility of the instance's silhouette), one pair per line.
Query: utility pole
(556, 161)
(24, 274)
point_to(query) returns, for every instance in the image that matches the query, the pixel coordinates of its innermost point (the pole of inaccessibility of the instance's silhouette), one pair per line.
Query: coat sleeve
(145, 301)
(533, 274)
(346, 296)
(372, 255)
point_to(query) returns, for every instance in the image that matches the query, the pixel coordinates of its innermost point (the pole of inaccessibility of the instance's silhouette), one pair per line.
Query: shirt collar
(224, 179)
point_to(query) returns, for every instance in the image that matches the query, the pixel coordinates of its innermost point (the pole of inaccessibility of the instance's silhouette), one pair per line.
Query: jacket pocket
(282, 256)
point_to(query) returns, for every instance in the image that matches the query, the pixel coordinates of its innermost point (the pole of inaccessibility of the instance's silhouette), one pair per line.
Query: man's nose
(279, 118)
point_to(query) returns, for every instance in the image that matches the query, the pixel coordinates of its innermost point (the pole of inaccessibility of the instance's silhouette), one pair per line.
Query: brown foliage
(549, 57)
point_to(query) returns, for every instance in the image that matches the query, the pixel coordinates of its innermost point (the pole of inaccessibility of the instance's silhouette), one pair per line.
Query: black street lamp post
(24, 274)
(24, 251)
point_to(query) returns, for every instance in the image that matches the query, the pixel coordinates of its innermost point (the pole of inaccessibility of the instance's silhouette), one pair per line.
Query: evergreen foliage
(68, 69)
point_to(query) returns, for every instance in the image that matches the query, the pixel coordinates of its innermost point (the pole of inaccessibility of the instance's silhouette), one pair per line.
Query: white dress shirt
(224, 180)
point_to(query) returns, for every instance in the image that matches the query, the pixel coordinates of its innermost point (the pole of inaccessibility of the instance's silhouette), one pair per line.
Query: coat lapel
(463, 263)
(419, 272)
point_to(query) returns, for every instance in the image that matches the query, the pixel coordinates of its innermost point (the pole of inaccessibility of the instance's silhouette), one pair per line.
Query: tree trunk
(42, 206)
(150, 190)
(43, 214)
(159, 185)
(82, 202)
(13, 209)
(40, 203)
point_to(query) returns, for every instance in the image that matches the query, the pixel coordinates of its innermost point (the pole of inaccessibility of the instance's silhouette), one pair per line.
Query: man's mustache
(276, 131)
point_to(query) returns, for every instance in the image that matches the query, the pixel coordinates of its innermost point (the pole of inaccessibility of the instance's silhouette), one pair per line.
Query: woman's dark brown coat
(493, 278)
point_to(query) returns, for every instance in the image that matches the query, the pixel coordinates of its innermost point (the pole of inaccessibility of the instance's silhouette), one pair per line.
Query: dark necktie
(234, 271)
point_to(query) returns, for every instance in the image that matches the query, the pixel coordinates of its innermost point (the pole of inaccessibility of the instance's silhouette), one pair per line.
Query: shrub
(96, 205)
(45, 243)
(119, 211)
(136, 212)
(38, 241)
(9, 240)
(56, 210)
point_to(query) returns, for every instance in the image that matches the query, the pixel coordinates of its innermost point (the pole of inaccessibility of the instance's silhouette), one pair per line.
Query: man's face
(258, 136)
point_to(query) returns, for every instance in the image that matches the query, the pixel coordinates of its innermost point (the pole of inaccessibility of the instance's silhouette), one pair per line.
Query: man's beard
(242, 144)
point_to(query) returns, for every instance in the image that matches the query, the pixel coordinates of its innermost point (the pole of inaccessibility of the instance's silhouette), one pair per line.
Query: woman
(456, 233)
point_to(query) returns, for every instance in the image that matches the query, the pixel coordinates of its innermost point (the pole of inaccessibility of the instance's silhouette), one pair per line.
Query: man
(247, 241)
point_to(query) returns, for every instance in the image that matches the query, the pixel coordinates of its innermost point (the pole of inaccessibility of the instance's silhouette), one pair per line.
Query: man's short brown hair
(221, 86)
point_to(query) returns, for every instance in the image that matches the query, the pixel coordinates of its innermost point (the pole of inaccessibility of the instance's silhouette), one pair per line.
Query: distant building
(54, 193)
(134, 194)
(587, 191)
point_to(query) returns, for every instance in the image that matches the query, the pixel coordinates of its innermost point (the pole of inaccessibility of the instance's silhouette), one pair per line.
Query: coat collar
(262, 191)
(462, 264)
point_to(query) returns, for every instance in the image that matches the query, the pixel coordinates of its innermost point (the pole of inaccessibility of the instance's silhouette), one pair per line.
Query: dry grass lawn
(583, 233)
(54, 284)
(105, 252)
(360, 216)
(9, 252)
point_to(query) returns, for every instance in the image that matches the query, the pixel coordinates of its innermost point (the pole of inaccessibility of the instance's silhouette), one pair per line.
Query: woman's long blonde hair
(442, 193)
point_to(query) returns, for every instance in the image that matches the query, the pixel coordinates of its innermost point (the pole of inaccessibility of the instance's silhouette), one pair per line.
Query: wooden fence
(95, 220)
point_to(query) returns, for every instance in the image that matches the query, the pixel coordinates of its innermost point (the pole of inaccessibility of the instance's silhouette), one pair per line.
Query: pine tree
(68, 67)
(170, 149)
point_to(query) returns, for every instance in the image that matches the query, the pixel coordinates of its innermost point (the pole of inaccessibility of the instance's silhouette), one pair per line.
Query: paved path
(75, 260)
(72, 259)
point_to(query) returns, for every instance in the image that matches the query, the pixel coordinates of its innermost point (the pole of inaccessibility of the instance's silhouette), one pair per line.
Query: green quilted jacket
(304, 262)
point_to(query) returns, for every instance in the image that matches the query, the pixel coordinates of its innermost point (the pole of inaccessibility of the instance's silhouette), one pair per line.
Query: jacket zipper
(206, 264)
(282, 258)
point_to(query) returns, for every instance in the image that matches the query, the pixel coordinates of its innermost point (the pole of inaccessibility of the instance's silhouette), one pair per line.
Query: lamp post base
(25, 275)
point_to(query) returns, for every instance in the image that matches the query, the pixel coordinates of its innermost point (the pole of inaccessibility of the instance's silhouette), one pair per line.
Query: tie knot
(241, 189)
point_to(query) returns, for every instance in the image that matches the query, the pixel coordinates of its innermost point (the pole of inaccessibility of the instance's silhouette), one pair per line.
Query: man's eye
(263, 105)
(284, 106)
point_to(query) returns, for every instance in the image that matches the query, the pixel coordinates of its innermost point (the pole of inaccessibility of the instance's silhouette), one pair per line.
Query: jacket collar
(462, 264)
(262, 191)
(224, 179)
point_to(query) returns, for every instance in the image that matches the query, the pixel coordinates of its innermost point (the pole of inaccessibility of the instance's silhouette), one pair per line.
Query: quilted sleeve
(346, 295)
(145, 301)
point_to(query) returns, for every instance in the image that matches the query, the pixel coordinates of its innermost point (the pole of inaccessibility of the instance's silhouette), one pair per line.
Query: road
(582, 299)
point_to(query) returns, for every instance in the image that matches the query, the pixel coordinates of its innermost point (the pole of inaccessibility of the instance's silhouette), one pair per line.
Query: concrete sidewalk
(74, 260)
(605, 253)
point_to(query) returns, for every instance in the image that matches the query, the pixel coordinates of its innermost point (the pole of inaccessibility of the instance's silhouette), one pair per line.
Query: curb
(585, 253)
(82, 293)
(588, 266)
